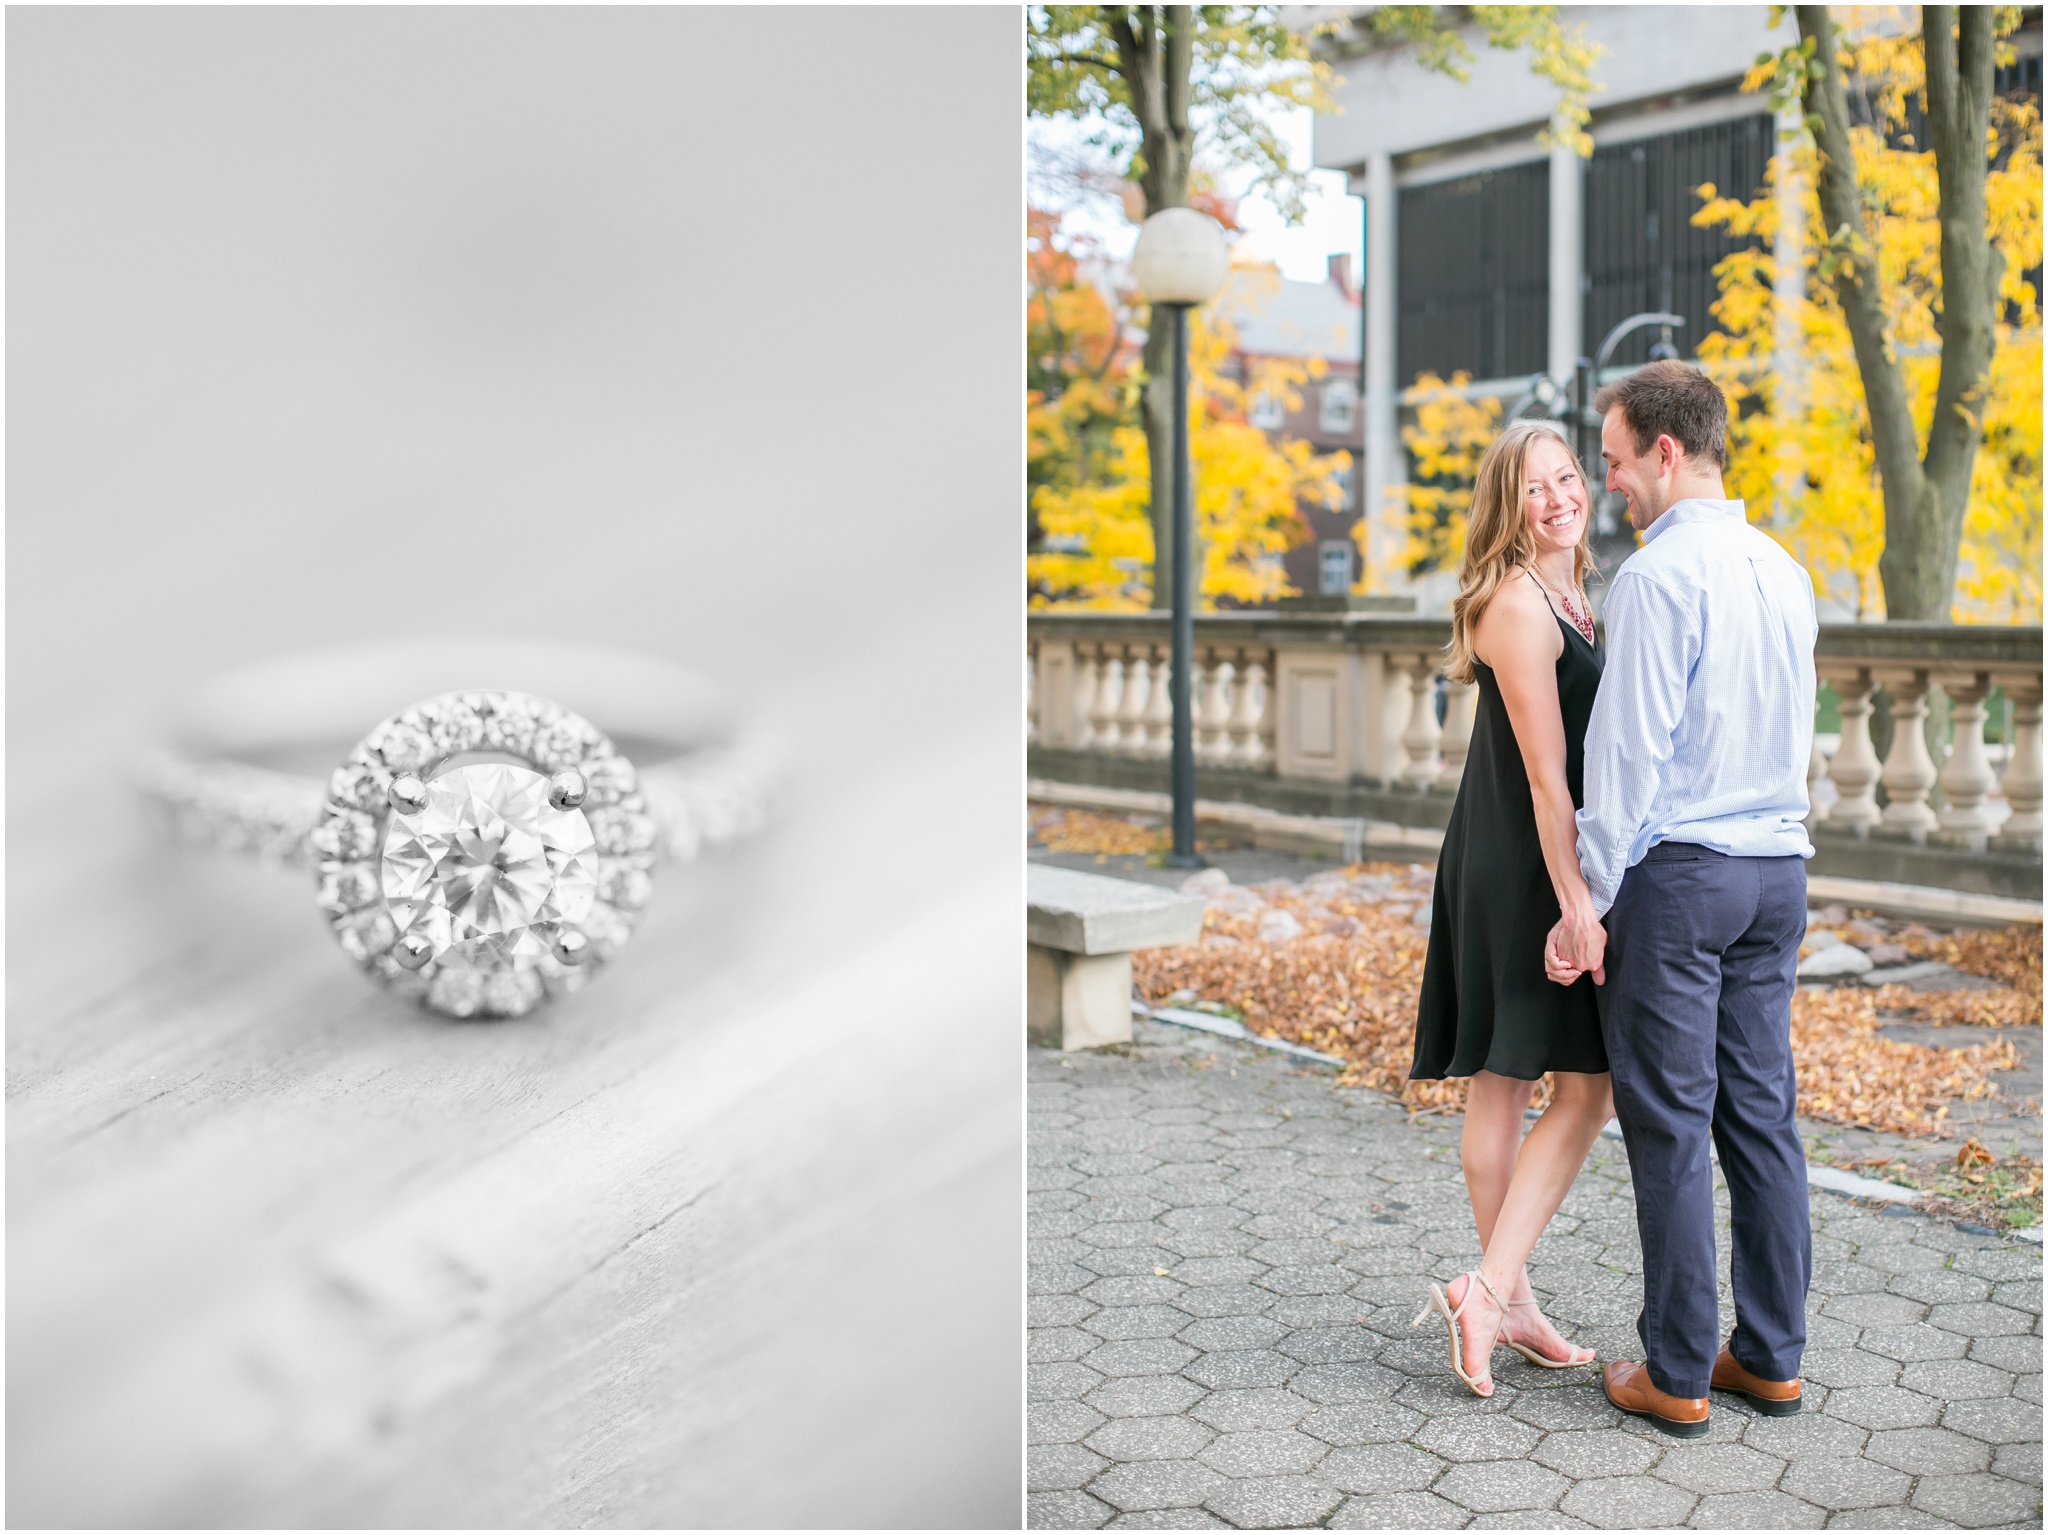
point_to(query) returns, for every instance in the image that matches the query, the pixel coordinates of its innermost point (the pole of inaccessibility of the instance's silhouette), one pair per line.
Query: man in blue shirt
(1692, 841)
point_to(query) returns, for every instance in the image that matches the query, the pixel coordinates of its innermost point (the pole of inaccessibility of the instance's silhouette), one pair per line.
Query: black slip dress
(1486, 1004)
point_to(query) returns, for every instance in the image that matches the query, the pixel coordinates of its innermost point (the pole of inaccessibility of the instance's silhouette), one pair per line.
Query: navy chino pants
(1696, 1014)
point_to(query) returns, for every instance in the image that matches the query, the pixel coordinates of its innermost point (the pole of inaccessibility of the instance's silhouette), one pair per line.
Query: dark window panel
(1642, 249)
(1475, 275)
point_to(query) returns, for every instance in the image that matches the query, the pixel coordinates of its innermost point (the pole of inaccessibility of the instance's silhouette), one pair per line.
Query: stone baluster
(1816, 775)
(1459, 713)
(1130, 714)
(1106, 716)
(1159, 708)
(2022, 780)
(1269, 718)
(1854, 767)
(1420, 739)
(1966, 777)
(1908, 768)
(1244, 711)
(1212, 708)
(1087, 671)
(1033, 697)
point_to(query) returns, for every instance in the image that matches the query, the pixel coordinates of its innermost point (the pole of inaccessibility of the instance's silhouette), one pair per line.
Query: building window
(1340, 407)
(1475, 275)
(1268, 412)
(1335, 566)
(1643, 251)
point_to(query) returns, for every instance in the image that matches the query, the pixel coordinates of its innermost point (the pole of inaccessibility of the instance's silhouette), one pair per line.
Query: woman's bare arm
(1518, 636)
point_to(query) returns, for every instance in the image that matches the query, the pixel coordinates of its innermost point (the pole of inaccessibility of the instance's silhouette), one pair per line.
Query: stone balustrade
(1340, 714)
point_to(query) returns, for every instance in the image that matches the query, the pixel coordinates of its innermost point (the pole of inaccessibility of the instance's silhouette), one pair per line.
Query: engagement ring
(483, 848)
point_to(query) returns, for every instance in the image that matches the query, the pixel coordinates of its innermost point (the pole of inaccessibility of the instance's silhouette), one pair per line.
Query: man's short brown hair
(1670, 399)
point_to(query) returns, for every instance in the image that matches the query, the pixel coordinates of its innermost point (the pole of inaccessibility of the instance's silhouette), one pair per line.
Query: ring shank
(226, 780)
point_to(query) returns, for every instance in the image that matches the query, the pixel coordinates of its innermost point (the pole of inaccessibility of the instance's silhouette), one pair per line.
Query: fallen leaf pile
(1085, 831)
(1335, 963)
(2008, 955)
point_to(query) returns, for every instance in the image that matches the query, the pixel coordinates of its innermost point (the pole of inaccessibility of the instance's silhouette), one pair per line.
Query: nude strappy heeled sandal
(1440, 1304)
(1539, 1359)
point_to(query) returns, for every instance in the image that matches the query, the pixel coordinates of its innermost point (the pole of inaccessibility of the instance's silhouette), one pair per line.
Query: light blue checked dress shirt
(1703, 726)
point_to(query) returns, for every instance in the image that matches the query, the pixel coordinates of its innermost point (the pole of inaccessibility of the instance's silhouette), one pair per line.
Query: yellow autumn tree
(1445, 443)
(1096, 549)
(1800, 448)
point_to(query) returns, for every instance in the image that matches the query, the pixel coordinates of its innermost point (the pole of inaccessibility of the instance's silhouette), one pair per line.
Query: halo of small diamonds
(554, 878)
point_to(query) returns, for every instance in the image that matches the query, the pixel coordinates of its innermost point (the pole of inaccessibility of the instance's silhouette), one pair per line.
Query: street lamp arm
(1634, 322)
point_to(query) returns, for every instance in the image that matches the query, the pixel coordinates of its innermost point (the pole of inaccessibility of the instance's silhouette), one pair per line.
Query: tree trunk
(1156, 57)
(1923, 500)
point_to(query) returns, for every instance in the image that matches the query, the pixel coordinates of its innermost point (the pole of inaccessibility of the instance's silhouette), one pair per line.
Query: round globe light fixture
(1181, 258)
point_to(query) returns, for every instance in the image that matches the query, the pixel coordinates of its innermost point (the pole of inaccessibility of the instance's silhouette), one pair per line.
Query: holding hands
(1577, 945)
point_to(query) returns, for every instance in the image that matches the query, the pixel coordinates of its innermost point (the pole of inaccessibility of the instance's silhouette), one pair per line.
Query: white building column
(1567, 257)
(1386, 529)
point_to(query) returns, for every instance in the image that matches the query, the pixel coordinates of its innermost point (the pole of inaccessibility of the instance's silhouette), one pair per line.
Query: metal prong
(571, 947)
(408, 795)
(567, 790)
(412, 951)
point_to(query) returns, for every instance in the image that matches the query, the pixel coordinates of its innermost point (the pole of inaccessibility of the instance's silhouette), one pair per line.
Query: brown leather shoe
(1772, 1398)
(1630, 1388)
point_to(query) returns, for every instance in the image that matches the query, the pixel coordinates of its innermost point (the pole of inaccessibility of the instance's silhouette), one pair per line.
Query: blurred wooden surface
(338, 324)
(728, 1238)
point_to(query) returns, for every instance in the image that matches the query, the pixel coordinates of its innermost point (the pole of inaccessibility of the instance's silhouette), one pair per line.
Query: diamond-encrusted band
(482, 848)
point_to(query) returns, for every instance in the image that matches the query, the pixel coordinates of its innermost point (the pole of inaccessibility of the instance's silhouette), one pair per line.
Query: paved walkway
(1227, 1252)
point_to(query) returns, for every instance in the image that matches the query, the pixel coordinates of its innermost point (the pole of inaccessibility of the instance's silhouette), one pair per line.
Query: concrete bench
(1081, 932)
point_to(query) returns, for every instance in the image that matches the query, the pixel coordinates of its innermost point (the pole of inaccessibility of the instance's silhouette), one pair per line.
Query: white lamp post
(1181, 261)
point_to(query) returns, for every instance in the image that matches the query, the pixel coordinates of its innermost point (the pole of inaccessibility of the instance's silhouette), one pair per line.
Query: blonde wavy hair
(1497, 538)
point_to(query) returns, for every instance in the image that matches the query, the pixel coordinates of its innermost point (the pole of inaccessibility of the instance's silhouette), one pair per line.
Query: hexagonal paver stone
(1845, 1481)
(2022, 1356)
(1581, 1453)
(1810, 1434)
(1216, 1334)
(2021, 1462)
(1399, 1511)
(1147, 1484)
(1264, 1452)
(1049, 1345)
(1060, 1467)
(1928, 1451)
(1492, 1436)
(1115, 1323)
(1241, 1368)
(1143, 1396)
(1379, 1468)
(1839, 1367)
(1362, 1423)
(1872, 1310)
(2022, 1294)
(1907, 1344)
(1170, 1519)
(1163, 1438)
(1628, 1503)
(1140, 1356)
(1497, 1486)
(2004, 1421)
(1275, 1503)
(1877, 1407)
(1718, 1468)
(1976, 1500)
(1331, 1345)
(1981, 1319)
(1053, 1382)
(1756, 1511)
(1067, 1511)
(1228, 1300)
(1060, 1422)
(1261, 1407)
(1956, 1380)
(1565, 1407)
(1940, 1287)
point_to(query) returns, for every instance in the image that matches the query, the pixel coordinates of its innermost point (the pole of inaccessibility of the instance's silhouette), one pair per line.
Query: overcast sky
(1334, 221)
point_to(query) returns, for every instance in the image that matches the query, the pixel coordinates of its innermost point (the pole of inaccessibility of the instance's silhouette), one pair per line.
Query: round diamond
(488, 871)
